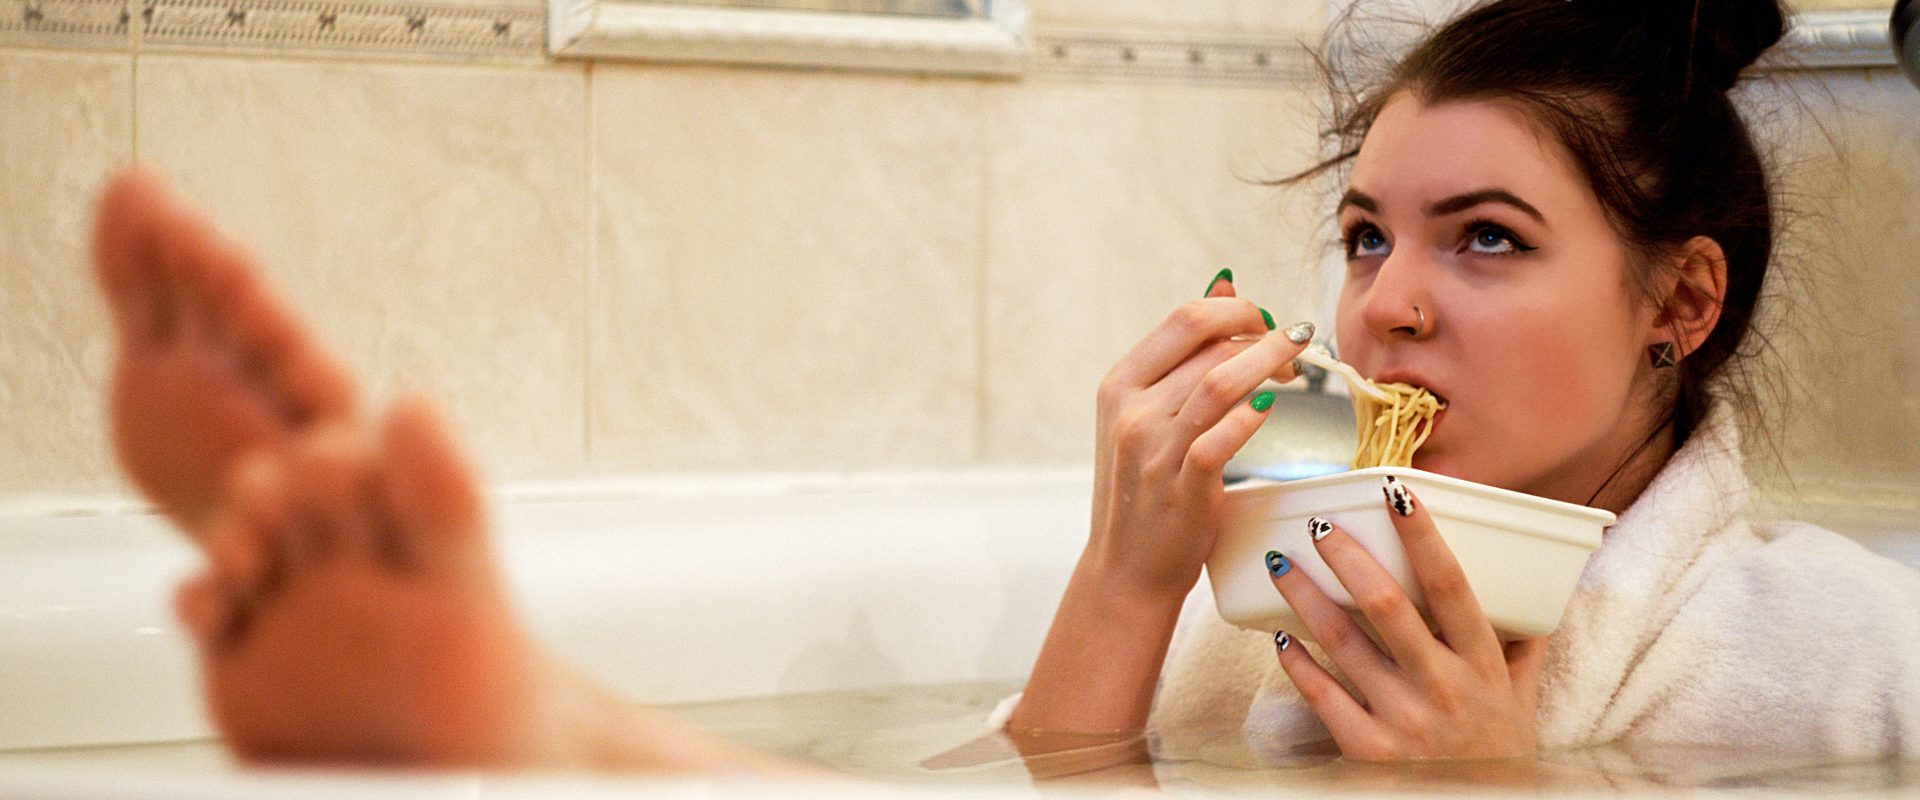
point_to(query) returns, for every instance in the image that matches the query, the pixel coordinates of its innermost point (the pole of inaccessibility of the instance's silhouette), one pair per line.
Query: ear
(1698, 287)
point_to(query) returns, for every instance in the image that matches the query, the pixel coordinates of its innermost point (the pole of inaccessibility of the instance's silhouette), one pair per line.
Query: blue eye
(1494, 240)
(1366, 242)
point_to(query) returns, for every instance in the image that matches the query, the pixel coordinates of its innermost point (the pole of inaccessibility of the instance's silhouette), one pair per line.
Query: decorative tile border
(362, 28)
(372, 28)
(66, 23)
(1170, 59)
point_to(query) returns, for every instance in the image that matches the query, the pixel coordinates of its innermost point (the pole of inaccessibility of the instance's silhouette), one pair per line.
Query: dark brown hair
(1637, 93)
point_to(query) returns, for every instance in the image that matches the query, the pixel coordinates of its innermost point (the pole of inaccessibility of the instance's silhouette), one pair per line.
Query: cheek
(1349, 332)
(1558, 382)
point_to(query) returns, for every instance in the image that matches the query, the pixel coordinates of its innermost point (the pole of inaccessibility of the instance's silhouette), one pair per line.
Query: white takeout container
(1522, 554)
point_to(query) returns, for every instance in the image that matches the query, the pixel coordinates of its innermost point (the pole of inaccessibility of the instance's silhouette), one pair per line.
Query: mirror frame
(993, 45)
(1838, 40)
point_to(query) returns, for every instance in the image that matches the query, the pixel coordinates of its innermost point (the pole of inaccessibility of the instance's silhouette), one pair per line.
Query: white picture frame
(992, 44)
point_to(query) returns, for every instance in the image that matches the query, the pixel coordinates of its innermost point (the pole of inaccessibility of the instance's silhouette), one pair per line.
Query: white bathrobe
(1689, 625)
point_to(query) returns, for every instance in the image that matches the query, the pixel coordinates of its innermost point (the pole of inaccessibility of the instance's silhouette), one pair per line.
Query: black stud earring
(1663, 355)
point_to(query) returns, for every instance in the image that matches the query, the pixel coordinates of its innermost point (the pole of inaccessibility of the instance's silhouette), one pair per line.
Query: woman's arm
(1171, 413)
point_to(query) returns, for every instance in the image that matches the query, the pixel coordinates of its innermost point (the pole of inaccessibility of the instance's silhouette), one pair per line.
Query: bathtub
(675, 592)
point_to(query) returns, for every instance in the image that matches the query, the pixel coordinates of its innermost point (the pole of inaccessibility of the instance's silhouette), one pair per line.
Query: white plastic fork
(1319, 357)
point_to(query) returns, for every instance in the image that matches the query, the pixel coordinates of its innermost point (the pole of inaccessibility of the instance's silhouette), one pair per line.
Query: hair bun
(1713, 40)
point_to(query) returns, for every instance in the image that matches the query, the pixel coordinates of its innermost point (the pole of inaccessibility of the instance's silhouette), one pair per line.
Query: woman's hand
(1459, 695)
(1171, 414)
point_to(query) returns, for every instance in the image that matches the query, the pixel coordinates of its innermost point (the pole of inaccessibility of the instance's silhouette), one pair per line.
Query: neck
(1633, 475)
(1612, 474)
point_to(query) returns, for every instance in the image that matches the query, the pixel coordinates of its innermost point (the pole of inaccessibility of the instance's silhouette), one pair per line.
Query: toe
(431, 495)
(270, 345)
(259, 540)
(233, 550)
(133, 209)
(198, 604)
(330, 485)
(313, 387)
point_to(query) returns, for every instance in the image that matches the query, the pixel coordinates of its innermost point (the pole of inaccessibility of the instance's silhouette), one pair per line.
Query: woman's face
(1534, 333)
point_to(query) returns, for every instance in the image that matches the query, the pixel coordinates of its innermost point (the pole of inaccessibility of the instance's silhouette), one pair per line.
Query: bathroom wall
(636, 269)
(617, 268)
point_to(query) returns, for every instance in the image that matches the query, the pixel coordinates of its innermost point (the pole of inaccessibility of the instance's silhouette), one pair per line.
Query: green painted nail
(1262, 401)
(1222, 275)
(1269, 318)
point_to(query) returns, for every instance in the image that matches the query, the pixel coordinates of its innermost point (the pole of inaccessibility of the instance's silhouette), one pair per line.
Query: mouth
(1412, 379)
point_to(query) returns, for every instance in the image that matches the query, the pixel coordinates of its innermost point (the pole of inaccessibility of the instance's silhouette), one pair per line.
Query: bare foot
(353, 614)
(211, 365)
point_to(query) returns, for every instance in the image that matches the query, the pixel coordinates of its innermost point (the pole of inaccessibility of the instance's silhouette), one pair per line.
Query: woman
(1566, 246)
(1556, 221)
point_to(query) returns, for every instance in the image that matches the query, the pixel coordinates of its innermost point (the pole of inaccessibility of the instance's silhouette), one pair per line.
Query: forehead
(1420, 152)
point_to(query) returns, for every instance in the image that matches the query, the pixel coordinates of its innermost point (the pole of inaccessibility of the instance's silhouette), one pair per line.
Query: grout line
(982, 416)
(592, 272)
(136, 23)
(133, 103)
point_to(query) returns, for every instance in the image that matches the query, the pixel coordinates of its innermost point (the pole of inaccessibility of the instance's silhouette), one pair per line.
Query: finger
(1221, 285)
(1171, 391)
(1227, 384)
(1207, 457)
(1525, 659)
(1185, 331)
(1451, 601)
(1339, 636)
(1379, 597)
(1344, 717)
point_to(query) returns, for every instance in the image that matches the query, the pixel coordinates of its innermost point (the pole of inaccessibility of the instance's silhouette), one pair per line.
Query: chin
(1437, 463)
(1443, 463)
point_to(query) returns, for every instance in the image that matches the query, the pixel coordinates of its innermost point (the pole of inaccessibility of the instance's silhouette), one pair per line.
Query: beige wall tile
(788, 269)
(430, 220)
(66, 122)
(1110, 205)
(1852, 344)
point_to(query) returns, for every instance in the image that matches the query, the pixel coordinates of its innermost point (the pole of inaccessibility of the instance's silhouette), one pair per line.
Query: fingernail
(1278, 564)
(1262, 401)
(1300, 332)
(1267, 317)
(1398, 496)
(1319, 528)
(1281, 640)
(1222, 275)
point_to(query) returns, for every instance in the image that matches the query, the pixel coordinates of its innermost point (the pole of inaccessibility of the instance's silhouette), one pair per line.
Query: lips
(1411, 378)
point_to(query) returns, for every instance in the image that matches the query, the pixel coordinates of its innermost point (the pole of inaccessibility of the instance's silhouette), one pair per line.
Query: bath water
(934, 735)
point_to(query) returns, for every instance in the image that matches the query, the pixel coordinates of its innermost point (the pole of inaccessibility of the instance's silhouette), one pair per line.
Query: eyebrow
(1451, 205)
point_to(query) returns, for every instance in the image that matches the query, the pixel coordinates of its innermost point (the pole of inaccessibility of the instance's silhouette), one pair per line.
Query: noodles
(1389, 433)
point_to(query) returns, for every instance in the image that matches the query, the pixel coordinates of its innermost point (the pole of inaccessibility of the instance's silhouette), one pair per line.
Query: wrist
(1125, 591)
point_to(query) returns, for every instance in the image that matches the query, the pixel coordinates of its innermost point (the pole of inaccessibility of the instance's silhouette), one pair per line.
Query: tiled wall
(1851, 340)
(619, 268)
